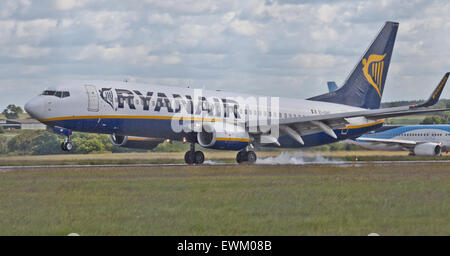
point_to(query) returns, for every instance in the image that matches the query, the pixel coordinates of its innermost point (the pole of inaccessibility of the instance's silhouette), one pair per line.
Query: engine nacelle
(428, 149)
(226, 138)
(134, 142)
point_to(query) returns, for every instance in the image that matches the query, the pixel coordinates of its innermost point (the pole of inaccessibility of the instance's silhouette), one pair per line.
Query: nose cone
(32, 107)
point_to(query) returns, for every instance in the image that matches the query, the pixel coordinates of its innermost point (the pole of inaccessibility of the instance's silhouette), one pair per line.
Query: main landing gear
(197, 157)
(67, 144)
(245, 156)
(194, 157)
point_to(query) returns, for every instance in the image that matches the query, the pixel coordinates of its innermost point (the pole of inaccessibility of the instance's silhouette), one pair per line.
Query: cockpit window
(49, 93)
(59, 94)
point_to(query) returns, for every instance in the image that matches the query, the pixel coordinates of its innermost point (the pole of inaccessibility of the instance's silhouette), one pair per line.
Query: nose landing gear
(67, 144)
(194, 157)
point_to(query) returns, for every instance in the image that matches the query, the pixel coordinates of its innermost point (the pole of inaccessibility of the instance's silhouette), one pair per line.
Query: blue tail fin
(365, 84)
(332, 86)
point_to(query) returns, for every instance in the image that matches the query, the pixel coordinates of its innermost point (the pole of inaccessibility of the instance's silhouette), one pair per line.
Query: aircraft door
(92, 98)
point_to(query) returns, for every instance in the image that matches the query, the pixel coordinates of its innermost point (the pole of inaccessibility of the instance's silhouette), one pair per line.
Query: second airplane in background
(421, 140)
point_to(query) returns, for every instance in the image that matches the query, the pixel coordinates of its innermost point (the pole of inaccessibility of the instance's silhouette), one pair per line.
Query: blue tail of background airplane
(332, 86)
(364, 86)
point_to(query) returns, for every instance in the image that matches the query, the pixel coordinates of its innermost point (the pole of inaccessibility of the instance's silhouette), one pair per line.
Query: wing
(298, 126)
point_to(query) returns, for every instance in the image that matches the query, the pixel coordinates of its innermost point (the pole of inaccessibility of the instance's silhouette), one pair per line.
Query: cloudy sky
(273, 47)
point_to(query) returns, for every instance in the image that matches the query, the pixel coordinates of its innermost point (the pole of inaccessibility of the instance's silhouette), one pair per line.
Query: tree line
(41, 142)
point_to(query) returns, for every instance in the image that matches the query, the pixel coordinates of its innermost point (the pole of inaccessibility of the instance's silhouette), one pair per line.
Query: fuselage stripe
(232, 139)
(131, 117)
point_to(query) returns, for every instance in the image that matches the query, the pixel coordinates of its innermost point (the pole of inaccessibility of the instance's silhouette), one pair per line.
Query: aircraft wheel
(189, 157)
(241, 157)
(199, 157)
(251, 157)
(68, 146)
(63, 146)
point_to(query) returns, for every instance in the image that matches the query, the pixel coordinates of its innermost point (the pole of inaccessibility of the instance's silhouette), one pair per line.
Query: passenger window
(65, 94)
(58, 94)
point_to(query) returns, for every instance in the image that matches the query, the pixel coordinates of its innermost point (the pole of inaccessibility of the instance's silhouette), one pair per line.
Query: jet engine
(135, 142)
(428, 149)
(220, 136)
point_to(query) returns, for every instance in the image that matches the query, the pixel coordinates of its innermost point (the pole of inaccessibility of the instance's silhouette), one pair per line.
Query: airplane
(149, 114)
(419, 140)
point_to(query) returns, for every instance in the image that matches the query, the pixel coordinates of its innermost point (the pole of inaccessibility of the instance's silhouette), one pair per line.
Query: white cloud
(35, 29)
(6, 31)
(67, 23)
(25, 51)
(157, 18)
(315, 60)
(324, 33)
(64, 5)
(8, 7)
(243, 27)
(192, 34)
(327, 13)
(171, 59)
(262, 46)
(186, 6)
(129, 55)
(109, 25)
(33, 69)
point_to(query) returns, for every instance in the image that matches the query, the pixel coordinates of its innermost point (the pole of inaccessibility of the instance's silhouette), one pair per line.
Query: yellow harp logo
(373, 70)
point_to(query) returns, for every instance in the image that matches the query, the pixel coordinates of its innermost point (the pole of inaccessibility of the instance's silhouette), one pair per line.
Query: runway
(331, 163)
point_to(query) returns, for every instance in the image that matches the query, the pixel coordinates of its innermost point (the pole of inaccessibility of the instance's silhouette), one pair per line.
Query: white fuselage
(140, 110)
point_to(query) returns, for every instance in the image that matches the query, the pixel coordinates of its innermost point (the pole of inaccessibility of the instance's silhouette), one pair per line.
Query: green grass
(227, 200)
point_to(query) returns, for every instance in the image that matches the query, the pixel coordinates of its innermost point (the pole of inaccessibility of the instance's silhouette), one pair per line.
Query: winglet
(436, 93)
